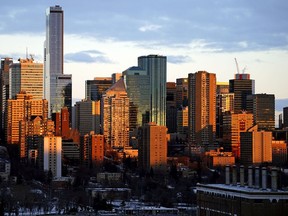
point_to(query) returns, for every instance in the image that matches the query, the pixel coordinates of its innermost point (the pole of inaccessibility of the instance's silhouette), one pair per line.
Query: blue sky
(104, 37)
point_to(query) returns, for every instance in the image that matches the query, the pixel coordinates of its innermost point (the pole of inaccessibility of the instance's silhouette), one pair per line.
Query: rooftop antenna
(237, 67)
(244, 69)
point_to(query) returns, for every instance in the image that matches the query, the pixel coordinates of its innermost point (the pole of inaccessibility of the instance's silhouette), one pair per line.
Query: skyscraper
(95, 88)
(171, 109)
(202, 109)
(115, 116)
(57, 86)
(285, 117)
(241, 86)
(155, 66)
(26, 76)
(181, 92)
(263, 109)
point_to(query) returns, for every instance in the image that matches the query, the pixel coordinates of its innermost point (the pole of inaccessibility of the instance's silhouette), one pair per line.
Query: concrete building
(26, 76)
(263, 109)
(87, 117)
(239, 199)
(152, 150)
(202, 109)
(57, 85)
(50, 155)
(255, 147)
(155, 66)
(92, 150)
(23, 108)
(216, 158)
(233, 125)
(241, 86)
(115, 106)
(94, 89)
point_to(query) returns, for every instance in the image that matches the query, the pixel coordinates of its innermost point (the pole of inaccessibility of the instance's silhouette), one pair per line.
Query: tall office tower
(87, 117)
(202, 109)
(50, 155)
(285, 117)
(256, 147)
(182, 121)
(137, 84)
(26, 76)
(171, 109)
(152, 147)
(94, 89)
(92, 150)
(116, 77)
(181, 92)
(4, 90)
(23, 108)
(233, 125)
(155, 66)
(115, 116)
(263, 108)
(224, 104)
(30, 132)
(279, 152)
(241, 86)
(57, 86)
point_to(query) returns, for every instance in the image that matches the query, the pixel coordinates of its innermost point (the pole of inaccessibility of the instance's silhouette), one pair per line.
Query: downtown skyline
(101, 38)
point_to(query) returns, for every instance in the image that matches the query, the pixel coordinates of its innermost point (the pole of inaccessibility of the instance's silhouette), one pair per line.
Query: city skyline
(102, 38)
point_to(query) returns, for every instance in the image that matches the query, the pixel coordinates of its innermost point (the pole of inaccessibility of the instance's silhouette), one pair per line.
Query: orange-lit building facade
(115, 116)
(279, 152)
(233, 125)
(202, 109)
(23, 108)
(152, 150)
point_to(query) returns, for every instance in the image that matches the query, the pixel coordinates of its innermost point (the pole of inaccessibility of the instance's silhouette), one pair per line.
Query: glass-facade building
(155, 66)
(57, 86)
(94, 89)
(137, 84)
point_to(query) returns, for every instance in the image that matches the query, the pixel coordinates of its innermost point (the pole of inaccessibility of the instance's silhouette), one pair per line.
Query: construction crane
(237, 67)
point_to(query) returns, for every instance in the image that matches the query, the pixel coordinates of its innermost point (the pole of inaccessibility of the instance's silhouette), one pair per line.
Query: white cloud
(149, 27)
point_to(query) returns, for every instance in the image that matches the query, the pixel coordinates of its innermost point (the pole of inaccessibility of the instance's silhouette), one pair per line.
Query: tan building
(115, 116)
(23, 108)
(152, 147)
(27, 76)
(233, 125)
(256, 146)
(202, 109)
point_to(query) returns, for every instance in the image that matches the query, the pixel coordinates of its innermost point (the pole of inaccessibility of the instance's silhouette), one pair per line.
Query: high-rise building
(62, 122)
(116, 77)
(171, 109)
(92, 149)
(87, 117)
(94, 89)
(4, 90)
(50, 155)
(241, 86)
(181, 92)
(115, 116)
(152, 147)
(57, 86)
(155, 66)
(233, 125)
(285, 117)
(263, 109)
(137, 84)
(182, 121)
(279, 152)
(202, 109)
(255, 147)
(26, 76)
(23, 108)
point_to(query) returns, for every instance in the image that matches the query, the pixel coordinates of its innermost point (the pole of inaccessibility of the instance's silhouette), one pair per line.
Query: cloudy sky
(105, 37)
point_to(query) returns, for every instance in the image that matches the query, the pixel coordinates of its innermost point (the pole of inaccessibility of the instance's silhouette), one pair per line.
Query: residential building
(115, 106)
(202, 109)
(152, 150)
(155, 65)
